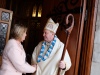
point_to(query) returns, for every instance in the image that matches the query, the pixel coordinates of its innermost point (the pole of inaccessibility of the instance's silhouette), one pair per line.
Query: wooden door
(58, 10)
(5, 24)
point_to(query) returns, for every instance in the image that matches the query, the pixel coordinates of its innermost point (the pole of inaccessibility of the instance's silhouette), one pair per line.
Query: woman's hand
(35, 66)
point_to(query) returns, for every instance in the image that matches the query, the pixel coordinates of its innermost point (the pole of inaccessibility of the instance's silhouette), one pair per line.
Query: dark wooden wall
(2, 3)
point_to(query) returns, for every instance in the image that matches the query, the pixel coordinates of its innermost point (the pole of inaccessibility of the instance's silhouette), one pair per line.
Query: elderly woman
(13, 59)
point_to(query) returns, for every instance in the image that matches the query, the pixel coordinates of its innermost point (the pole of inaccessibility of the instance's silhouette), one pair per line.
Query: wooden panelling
(2, 3)
(88, 38)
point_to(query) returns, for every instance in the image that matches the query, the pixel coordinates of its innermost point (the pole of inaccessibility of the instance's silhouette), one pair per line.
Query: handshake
(35, 67)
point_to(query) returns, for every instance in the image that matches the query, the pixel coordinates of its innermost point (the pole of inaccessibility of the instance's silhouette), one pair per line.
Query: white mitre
(50, 25)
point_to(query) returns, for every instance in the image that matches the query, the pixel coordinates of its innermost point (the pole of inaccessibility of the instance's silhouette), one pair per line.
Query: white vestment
(50, 65)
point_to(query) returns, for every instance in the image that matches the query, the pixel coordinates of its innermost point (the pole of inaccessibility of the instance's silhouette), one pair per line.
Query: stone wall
(95, 68)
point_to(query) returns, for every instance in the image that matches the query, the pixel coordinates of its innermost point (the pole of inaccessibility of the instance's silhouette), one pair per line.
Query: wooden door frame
(83, 4)
(88, 38)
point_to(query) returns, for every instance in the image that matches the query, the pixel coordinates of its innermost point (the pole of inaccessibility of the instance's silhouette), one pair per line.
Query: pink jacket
(13, 60)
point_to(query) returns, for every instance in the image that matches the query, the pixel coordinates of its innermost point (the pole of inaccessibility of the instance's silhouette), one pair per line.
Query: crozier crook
(68, 31)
